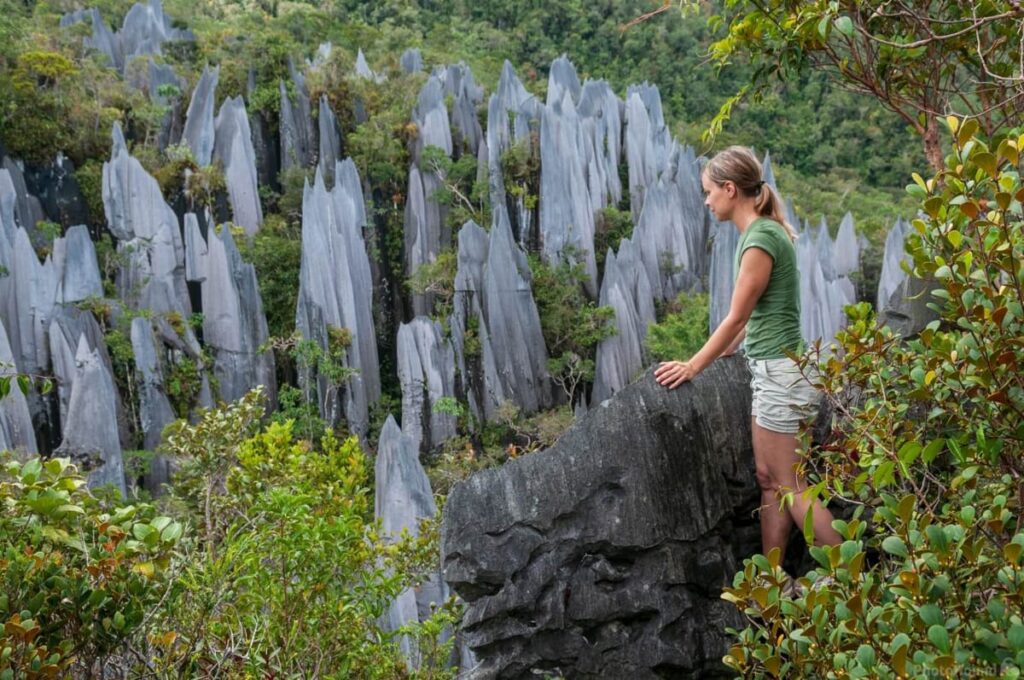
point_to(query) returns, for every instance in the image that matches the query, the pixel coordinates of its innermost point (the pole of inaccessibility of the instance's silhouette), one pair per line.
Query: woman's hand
(672, 374)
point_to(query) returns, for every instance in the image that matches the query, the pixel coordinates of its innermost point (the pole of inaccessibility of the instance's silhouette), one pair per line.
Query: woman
(765, 309)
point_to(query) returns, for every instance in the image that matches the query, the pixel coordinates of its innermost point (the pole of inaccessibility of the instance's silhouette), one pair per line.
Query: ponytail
(769, 204)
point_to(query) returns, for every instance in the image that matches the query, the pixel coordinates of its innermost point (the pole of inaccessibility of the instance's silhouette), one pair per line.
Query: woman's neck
(744, 215)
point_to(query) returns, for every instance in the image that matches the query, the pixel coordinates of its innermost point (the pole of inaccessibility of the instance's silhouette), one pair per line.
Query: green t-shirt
(774, 325)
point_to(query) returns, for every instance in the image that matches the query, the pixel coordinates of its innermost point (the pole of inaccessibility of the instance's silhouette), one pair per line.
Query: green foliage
(464, 195)
(493, 444)
(90, 183)
(276, 253)
(901, 59)
(612, 226)
(77, 577)
(934, 447)
(520, 170)
(682, 331)
(437, 278)
(572, 325)
(182, 382)
(24, 381)
(293, 406)
(291, 575)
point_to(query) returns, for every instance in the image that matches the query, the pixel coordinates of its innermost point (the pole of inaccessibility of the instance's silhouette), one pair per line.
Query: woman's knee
(765, 479)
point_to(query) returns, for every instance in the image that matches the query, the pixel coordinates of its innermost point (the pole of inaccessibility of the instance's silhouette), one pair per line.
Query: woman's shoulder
(767, 223)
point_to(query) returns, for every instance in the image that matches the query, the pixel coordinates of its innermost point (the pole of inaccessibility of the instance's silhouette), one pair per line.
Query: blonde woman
(765, 309)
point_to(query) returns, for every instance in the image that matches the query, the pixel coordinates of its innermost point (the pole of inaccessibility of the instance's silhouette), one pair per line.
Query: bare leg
(775, 523)
(776, 460)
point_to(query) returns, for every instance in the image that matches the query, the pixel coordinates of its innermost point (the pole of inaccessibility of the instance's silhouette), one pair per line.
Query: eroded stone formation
(144, 31)
(403, 499)
(499, 348)
(335, 293)
(426, 370)
(604, 556)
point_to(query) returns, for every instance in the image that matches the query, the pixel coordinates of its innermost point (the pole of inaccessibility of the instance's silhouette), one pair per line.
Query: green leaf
(809, 526)
(24, 384)
(171, 533)
(931, 614)
(30, 470)
(917, 192)
(866, 656)
(932, 450)
(70, 509)
(986, 162)
(967, 130)
(845, 25)
(937, 538)
(939, 637)
(894, 545)
(1015, 636)
(884, 474)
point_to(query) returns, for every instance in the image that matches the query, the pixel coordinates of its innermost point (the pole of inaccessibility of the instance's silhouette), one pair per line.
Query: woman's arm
(755, 270)
(731, 349)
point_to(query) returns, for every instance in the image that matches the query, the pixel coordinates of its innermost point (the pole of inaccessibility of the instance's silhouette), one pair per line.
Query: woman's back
(774, 325)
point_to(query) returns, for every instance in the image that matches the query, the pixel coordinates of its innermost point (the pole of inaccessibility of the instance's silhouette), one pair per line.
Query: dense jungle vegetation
(929, 579)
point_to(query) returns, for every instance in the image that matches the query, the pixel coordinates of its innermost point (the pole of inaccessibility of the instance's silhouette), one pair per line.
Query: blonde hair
(739, 165)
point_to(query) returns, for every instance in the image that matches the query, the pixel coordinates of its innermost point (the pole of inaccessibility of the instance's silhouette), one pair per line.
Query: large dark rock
(604, 556)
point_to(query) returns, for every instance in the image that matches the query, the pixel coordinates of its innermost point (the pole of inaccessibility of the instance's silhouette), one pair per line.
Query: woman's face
(720, 199)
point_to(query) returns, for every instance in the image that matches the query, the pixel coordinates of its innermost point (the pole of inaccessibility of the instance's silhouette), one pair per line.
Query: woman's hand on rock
(672, 374)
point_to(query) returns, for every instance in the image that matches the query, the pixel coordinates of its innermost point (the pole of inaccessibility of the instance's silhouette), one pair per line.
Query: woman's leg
(776, 460)
(775, 523)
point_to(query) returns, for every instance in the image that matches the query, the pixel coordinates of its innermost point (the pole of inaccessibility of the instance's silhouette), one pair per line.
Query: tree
(922, 60)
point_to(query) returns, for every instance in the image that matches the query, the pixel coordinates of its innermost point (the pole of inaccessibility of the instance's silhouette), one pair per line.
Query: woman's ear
(730, 188)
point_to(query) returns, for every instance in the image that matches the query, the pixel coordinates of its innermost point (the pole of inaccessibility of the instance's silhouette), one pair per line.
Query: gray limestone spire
(199, 128)
(233, 147)
(336, 291)
(90, 432)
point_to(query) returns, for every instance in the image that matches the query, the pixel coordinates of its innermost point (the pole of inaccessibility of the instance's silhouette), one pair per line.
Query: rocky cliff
(604, 556)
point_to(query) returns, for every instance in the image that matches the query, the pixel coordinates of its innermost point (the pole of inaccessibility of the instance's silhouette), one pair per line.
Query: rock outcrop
(402, 499)
(149, 239)
(144, 31)
(28, 211)
(16, 432)
(298, 134)
(234, 325)
(566, 212)
(199, 133)
(604, 556)
(426, 370)
(496, 333)
(91, 433)
(512, 113)
(330, 141)
(626, 289)
(233, 147)
(336, 291)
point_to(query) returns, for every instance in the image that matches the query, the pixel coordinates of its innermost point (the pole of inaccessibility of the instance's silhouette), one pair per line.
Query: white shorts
(783, 399)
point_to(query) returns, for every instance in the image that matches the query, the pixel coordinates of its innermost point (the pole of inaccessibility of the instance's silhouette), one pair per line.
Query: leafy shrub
(290, 575)
(682, 331)
(572, 325)
(934, 449)
(613, 225)
(437, 278)
(276, 253)
(78, 576)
